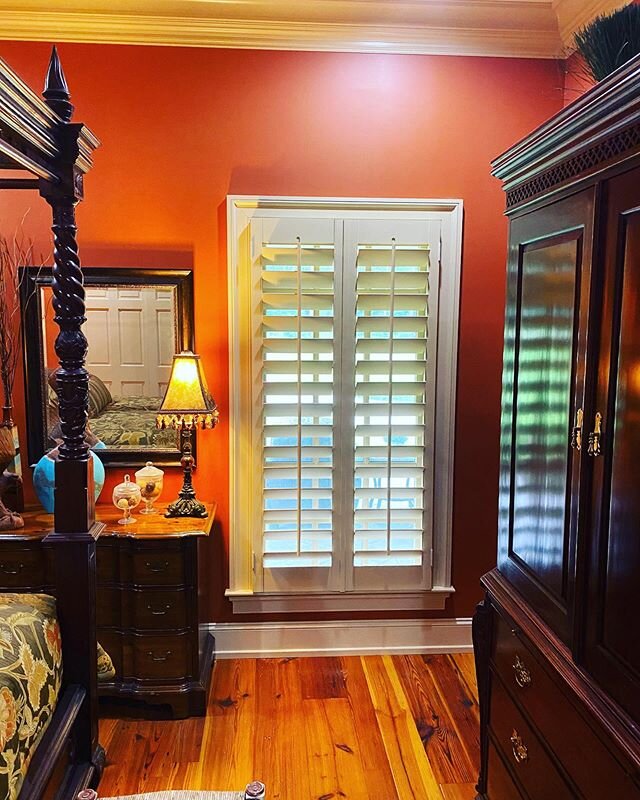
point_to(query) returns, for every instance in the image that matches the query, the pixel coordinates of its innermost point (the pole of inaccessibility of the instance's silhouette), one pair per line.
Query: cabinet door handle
(158, 659)
(158, 612)
(521, 673)
(595, 437)
(519, 748)
(158, 566)
(576, 431)
(9, 570)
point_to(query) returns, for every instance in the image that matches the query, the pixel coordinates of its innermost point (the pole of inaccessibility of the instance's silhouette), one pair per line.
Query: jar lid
(149, 472)
(126, 488)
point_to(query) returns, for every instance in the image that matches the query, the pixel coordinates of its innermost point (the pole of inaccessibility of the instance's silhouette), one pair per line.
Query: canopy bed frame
(38, 138)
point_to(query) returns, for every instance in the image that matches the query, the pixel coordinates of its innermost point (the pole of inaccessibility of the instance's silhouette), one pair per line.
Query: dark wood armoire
(557, 639)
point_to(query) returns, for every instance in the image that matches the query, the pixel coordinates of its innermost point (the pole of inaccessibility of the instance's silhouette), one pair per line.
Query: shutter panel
(394, 302)
(296, 292)
(392, 287)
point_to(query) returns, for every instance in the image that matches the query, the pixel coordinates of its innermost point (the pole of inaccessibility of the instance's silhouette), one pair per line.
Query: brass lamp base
(186, 507)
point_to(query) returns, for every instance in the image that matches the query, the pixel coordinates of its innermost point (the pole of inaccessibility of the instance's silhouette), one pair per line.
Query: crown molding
(515, 37)
(511, 28)
(575, 14)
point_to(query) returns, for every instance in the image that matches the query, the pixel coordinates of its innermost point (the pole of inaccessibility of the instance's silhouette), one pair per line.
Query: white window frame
(243, 439)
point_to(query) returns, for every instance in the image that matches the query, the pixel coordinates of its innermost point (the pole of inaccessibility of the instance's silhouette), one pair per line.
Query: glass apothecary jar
(150, 480)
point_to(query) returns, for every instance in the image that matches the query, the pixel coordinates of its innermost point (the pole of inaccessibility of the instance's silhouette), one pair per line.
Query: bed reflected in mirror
(136, 321)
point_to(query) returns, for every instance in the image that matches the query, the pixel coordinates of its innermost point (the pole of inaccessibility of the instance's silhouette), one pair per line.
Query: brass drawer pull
(159, 659)
(157, 566)
(521, 673)
(158, 612)
(595, 437)
(6, 569)
(519, 748)
(576, 432)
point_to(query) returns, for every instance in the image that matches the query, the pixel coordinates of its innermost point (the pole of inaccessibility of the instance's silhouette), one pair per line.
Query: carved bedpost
(482, 633)
(75, 532)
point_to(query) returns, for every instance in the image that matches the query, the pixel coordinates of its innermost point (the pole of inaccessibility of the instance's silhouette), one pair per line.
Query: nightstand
(148, 602)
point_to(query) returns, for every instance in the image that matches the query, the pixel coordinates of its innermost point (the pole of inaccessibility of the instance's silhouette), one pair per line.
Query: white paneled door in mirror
(335, 330)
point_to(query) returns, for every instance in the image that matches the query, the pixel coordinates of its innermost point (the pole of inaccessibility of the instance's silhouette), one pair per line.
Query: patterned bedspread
(131, 422)
(30, 675)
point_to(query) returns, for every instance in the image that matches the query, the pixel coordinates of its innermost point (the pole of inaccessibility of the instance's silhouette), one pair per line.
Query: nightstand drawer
(561, 725)
(162, 565)
(108, 561)
(522, 749)
(108, 614)
(159, 609)
(162, 657)
(23, 567)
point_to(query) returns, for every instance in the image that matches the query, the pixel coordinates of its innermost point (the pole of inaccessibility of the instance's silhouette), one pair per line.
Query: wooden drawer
(162, 657)
(161, 565)
(567, 733)
(521, 748)
(23, 567)
(108, 607)
(158, 609)
(107, 558)
(500, 785)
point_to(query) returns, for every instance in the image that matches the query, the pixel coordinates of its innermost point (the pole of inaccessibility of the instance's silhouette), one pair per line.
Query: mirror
(136, 320)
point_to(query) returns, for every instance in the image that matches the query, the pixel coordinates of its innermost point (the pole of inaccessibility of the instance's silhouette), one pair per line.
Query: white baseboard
(341, 637)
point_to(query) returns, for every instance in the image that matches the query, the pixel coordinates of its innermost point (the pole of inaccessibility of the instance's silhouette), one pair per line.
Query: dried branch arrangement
(13, 253)
(609, 41)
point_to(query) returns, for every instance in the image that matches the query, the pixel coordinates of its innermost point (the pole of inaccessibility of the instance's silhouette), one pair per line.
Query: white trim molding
(512, 28)
(341, 638)
(271, 603)
(504, 28)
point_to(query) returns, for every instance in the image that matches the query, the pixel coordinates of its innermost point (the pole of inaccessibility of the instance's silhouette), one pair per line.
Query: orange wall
(577, 79)
(182, 128)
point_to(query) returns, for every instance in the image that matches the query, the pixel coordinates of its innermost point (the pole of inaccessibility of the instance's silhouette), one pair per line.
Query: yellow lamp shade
(187, 402)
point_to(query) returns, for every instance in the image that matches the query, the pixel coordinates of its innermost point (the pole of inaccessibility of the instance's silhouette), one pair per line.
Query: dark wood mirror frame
(32, 281)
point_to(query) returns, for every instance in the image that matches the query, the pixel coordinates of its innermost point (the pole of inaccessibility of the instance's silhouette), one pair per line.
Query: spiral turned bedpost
(73, 540)
(74, 470)
(72, 379)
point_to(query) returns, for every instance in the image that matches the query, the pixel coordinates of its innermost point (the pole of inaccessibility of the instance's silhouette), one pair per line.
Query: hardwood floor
(352, 728)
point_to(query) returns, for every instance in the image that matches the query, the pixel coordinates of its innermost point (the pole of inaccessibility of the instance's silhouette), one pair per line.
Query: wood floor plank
(129, 747)
(411, 770)
(381, 785)
(227, 746)
(321, 678)
(466, 667)
(462, 707)
(448, 757)
(335, 766)
(280, 755)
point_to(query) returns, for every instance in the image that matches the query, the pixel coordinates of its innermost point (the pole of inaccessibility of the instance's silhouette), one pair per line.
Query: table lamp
(187, 405)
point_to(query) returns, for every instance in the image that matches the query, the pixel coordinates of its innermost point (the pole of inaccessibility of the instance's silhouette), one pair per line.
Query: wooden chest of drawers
(148, 603)
(550, 731)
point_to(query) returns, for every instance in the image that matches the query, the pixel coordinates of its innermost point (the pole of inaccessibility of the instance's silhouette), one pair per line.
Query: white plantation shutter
(296, 299)
(391, 308)
(336, 331)
(393, 293)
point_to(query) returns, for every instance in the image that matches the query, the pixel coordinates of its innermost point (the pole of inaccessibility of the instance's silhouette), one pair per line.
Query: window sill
(253, 603)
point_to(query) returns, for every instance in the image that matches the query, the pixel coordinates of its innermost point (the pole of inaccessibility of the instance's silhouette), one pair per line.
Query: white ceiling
(528, 28)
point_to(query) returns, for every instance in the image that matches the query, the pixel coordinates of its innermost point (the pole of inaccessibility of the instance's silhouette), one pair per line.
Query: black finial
(56, 91)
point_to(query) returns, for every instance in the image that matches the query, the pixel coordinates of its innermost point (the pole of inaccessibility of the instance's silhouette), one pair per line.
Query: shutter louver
(297, 364)
(392, 311)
